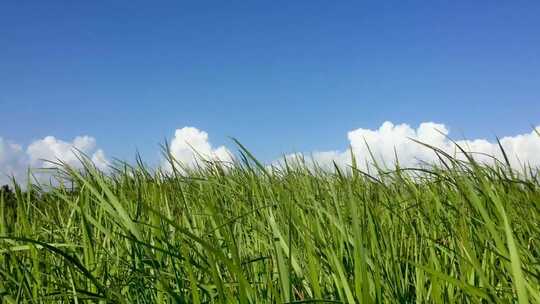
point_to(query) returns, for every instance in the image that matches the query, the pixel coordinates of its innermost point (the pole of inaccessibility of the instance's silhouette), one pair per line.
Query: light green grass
(460, 232)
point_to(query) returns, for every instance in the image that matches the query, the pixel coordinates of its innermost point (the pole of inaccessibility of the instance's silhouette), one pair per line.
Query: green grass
(460, 232)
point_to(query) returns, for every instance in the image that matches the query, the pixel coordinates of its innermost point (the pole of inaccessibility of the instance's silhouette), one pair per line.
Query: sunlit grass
(458, 232)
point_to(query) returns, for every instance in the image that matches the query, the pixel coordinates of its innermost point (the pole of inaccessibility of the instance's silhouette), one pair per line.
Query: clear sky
(279, 75)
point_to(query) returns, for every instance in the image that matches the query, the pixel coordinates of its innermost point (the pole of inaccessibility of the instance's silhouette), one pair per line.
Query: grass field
(458, 232)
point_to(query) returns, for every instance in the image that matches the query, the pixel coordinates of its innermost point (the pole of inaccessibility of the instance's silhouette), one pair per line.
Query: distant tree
(8, 194)
(5, 189)
(8, 213)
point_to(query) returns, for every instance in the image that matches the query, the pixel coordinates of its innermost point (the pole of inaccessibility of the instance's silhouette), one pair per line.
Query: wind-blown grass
(458, 232)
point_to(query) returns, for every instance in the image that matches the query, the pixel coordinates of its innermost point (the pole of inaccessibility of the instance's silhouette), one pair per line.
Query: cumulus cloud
(52, 149)
(390, 142)
(190, 146)
(15, 160)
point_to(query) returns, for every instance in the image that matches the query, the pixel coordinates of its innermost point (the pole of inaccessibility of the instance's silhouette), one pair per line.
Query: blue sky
(281, 76)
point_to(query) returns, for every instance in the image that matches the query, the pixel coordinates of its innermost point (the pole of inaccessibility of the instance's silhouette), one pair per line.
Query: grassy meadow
(455, 232)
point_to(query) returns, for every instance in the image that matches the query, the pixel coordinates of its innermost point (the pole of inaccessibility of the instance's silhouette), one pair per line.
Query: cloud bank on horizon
(190, 144)
(391, 141)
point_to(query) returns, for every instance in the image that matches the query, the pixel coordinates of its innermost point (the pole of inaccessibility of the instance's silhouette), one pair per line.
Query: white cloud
(52, 149)
(100, 160)
(390, 140)
(15, 160)
(190, 145)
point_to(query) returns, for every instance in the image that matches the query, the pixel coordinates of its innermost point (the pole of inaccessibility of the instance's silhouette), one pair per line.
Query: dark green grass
(459, 232)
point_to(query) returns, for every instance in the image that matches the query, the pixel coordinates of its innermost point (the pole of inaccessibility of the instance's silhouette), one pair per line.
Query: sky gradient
(281, 77)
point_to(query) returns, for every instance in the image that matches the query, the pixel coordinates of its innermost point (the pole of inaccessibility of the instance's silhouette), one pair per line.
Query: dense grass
(459, 232)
